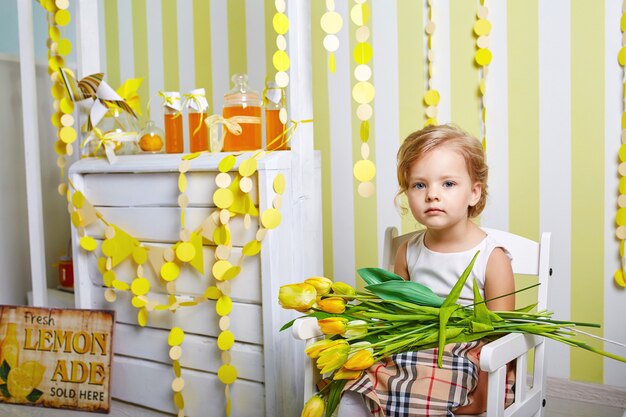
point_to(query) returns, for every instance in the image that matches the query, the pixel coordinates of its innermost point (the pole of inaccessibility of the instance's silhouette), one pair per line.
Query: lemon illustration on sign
(23, 379)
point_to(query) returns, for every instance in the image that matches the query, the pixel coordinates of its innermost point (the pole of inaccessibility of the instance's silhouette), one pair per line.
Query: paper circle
(178, 384)
(231, 273)
(171, 287)
(279, 184)
(66, 119)
(140, 286)
(621, 200)
(622, 153)
(140, 255)
(223, 180)
(362, 34)
(482, 12)
(245, 184)
(227, 163)
(277, 201)
(224, 305)
(224, 324)
(365, 150)
(176, 336)
(281, 42)
(248, 167)
(360, 14)
(363, 92)
(482, 27)
(182, 182)
(185, 251)
(138, 302)
(280, 59)
(142, 317)
(212, 293)
(260, 234)
(66, 105)
(366, 189)
(110, 295)
(483, 41)
(282, 115)
(120, 285)
(54, 33)
(364, 111)
(280, 22)
(225, 340)
(227, 374)
(175, 353)
(431, 98)
(64, 47)
(224, 216)
(430, 27)
(280, 5)
(67, 134)
(222, 252)
(620, 217)
(88, 243)
(170, 271)
(282, 79)
(62, 17)
(363, 53)
(219, 269)
(221, 235)
(270, 218)
(364, 170)
(331, 22)
(227, 357)
(62, 4)
(362, 72)
(331, 43)
(251, 248)
(620, 232)
(483, 57)
(223, 198)
(619, 278)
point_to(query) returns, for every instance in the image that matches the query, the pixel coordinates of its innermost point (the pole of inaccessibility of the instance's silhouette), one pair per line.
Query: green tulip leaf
(406, 291)
(377, 275)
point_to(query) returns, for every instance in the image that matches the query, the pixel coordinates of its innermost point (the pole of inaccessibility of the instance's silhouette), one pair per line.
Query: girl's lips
(434, 210)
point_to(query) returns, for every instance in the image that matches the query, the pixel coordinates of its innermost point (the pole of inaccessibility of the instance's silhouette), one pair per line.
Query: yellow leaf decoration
(122, 245)
(242, 203)
(198, 260)
(128, 91)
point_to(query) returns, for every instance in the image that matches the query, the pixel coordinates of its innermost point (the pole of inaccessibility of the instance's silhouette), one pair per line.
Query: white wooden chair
(529, 258)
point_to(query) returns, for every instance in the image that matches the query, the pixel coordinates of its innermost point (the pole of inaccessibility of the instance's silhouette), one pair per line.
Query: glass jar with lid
(243, 106)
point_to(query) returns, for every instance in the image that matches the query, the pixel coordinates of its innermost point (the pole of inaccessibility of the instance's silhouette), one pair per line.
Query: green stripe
(523, 129)
(202, 49)
(464, 99)
(112, 39)
(270, 38)
(365, 216)
(170, 45)
(587, 63)
(321, 129)
(410, 79)
(140, 48)
(237, 37)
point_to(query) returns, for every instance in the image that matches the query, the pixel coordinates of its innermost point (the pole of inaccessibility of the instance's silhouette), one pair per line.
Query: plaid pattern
(411, 384)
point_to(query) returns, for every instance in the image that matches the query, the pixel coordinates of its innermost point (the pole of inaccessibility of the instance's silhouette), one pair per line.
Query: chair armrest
(498, 353)
(306, 328)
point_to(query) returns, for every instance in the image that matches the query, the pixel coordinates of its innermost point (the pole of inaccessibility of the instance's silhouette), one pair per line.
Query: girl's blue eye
(448, 184)
(418, 186)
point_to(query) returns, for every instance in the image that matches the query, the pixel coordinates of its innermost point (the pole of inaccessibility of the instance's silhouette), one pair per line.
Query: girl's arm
(499, 280)
(400, 267)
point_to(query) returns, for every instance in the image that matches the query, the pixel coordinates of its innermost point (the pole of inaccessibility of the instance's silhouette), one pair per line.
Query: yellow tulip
(333, 325)
(361, 360)
(300, 297)
(334, 305)
(321, 284)
(315, 349)
(355, 328)
(314, 407)
(342, 288)
(344, 373)
(332, 358)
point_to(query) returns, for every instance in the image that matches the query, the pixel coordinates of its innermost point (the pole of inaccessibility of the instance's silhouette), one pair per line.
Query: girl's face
(440, 189)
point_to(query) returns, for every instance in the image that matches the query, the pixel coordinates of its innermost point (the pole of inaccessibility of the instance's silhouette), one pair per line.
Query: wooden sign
(58, 358)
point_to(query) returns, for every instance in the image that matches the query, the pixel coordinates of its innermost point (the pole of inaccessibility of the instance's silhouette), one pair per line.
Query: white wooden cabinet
(139, 194)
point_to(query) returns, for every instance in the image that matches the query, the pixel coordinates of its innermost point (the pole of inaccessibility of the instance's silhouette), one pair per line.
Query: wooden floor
(556, 407)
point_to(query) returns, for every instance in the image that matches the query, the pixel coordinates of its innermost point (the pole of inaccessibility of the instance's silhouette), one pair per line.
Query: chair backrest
(529, 257)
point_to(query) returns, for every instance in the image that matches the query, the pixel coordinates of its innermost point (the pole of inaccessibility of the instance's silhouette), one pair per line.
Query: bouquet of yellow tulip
(392, 316)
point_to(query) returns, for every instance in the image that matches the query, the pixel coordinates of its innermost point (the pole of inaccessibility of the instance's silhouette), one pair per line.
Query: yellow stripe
(202, 49)
(321, 128)
(140, 48)
(587, 63)
(410, 79)
(464, 100)
(365, 216)
(237, 37)
(112, 40)
(270, 38)
(170, 45)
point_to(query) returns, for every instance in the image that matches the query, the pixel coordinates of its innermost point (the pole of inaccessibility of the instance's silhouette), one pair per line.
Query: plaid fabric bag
(411, 384)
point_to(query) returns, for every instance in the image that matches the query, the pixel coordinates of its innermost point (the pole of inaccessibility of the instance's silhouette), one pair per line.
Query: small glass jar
(151, 138)
(197, 108)
(173, 123)
(274, 128)
(243, 104)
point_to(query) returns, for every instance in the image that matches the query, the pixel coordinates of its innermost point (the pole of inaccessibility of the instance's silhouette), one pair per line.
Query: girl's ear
(477, 191)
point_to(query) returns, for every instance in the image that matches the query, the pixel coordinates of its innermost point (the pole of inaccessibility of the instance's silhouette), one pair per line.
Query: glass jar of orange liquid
(173, 122)
(274, 128)
(197, 107)
(243, 106)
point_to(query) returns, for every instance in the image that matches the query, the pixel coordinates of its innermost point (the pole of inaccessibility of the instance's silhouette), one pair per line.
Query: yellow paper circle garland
(331, 23)
(620, 217)
(431, 97)
(363, 93)
(482, 57)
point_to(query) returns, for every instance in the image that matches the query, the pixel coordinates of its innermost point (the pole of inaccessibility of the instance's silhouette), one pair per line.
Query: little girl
(442, 171)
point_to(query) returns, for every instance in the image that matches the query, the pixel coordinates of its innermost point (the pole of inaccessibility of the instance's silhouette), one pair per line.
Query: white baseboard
(581, 391)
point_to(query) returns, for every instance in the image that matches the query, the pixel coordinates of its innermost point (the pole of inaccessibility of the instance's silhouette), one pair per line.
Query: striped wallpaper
(554, 102)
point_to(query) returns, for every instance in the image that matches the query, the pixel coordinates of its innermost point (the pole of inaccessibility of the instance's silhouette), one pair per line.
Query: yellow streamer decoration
(483, 56)
(620, 231)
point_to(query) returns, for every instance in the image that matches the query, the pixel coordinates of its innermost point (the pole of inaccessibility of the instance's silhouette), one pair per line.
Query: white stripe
(102, 30)
(255, 44)
(496, 212)
(441, 51)
(219, 53)
(387, 131)
(614, 301)
(125, 29)
(186, 63)
(155, 58)
(341, 157)
(555, 145)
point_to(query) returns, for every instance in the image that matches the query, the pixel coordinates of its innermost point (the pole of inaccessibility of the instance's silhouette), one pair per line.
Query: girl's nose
(431, 195)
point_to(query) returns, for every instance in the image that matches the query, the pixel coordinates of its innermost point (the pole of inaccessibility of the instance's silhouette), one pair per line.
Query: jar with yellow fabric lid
(242, 106)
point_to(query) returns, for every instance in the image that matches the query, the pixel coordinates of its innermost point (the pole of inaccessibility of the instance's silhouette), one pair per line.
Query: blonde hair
(419, 143)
